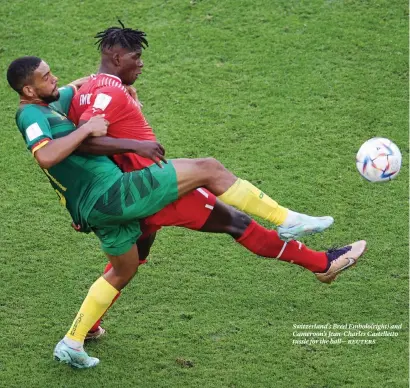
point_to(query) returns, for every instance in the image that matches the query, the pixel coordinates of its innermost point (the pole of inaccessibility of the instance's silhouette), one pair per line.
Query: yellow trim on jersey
(42, 144)
(55, 180)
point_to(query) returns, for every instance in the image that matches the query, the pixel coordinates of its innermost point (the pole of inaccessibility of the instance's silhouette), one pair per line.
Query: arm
(79, 82)
(106, 145)
(133, 93)
(110, 101)
(58, 149)
(67, 93)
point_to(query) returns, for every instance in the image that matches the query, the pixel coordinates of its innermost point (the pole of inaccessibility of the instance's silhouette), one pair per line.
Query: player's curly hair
(121, 36)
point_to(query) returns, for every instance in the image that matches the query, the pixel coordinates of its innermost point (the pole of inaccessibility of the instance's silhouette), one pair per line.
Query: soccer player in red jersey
(108, 93)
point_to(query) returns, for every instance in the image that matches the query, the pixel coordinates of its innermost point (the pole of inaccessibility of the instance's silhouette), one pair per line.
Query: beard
(50, 98)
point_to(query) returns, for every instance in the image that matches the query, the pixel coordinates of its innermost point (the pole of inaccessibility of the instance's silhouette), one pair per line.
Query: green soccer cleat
(77, 358)
(303, 226)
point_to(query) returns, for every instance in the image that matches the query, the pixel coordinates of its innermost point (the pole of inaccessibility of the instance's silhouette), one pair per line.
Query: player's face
(44, 84)
(130, 66)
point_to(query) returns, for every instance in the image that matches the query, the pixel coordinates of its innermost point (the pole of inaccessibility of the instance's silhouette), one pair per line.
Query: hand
(133, 93)
(98, 125)
(79, 82)
(77, 228)
(151, 150)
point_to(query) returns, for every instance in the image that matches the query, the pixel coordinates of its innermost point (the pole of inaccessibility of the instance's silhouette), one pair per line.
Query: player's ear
(116, 59)
(28, 91)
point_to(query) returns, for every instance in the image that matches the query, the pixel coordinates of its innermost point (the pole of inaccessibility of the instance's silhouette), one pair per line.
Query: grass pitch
(283, 93)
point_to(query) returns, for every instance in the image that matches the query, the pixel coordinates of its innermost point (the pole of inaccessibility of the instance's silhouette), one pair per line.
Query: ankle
(73, 343)
(290, 219)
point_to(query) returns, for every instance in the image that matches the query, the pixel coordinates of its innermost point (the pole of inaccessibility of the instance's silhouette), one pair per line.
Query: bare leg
(226, 219)
(124, 267)
(211, 174)
(144, 246)
(207, 172)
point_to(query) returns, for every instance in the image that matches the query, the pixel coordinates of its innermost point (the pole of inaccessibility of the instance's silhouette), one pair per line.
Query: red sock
(267, 243)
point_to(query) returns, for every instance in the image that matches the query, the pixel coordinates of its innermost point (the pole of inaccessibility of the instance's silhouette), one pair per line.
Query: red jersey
(105, 94)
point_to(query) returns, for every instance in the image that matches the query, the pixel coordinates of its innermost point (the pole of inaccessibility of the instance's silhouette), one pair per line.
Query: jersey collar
(112, 76)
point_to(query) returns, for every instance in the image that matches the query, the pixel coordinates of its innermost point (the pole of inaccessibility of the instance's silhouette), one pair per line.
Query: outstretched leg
(261, 241)
(266, 243)
(209, 173)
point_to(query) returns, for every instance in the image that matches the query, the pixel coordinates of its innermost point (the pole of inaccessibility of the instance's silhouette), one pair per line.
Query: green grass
(283, 93)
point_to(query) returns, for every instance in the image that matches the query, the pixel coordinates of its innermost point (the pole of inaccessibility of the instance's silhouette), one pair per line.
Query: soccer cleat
(77, 358)
(341, 259)
(93, 335)
(304, 226)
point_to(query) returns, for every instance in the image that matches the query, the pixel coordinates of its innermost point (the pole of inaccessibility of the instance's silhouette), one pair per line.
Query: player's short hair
(20, 71)
(120, 36)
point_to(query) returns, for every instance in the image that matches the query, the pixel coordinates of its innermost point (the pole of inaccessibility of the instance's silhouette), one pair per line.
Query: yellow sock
(247, 197)
(97, 301)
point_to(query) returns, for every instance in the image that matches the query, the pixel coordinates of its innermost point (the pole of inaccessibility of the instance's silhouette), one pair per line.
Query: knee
(210, 166)
(125, 270)
(144, 246)
(215, 164)
(240, 221)
(126, 273)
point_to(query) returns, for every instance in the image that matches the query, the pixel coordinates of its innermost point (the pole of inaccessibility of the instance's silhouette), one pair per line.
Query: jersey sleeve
(34, 127)
(66, 95)
(109, 101)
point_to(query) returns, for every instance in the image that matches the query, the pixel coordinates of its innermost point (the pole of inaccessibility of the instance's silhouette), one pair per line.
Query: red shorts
(190, 211)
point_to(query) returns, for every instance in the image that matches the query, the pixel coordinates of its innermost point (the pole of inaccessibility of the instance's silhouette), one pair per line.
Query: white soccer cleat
(77, 358)
(304, 225)
(341, 259)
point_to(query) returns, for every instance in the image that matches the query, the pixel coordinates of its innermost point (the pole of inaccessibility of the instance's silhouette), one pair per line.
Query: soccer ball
(378, 160)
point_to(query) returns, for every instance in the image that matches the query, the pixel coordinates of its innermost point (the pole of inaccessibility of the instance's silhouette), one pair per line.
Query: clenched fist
(98, 125)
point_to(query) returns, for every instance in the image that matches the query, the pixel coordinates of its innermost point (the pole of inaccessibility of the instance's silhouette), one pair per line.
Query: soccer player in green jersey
(105, 200)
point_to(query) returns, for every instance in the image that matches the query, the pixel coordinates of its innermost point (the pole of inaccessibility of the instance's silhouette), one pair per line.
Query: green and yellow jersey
(78, 180)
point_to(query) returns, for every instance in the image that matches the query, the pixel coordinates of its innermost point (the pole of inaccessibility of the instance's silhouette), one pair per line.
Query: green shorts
(136, 195)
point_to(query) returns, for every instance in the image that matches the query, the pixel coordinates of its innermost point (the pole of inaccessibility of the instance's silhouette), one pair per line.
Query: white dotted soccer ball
(378, 160)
